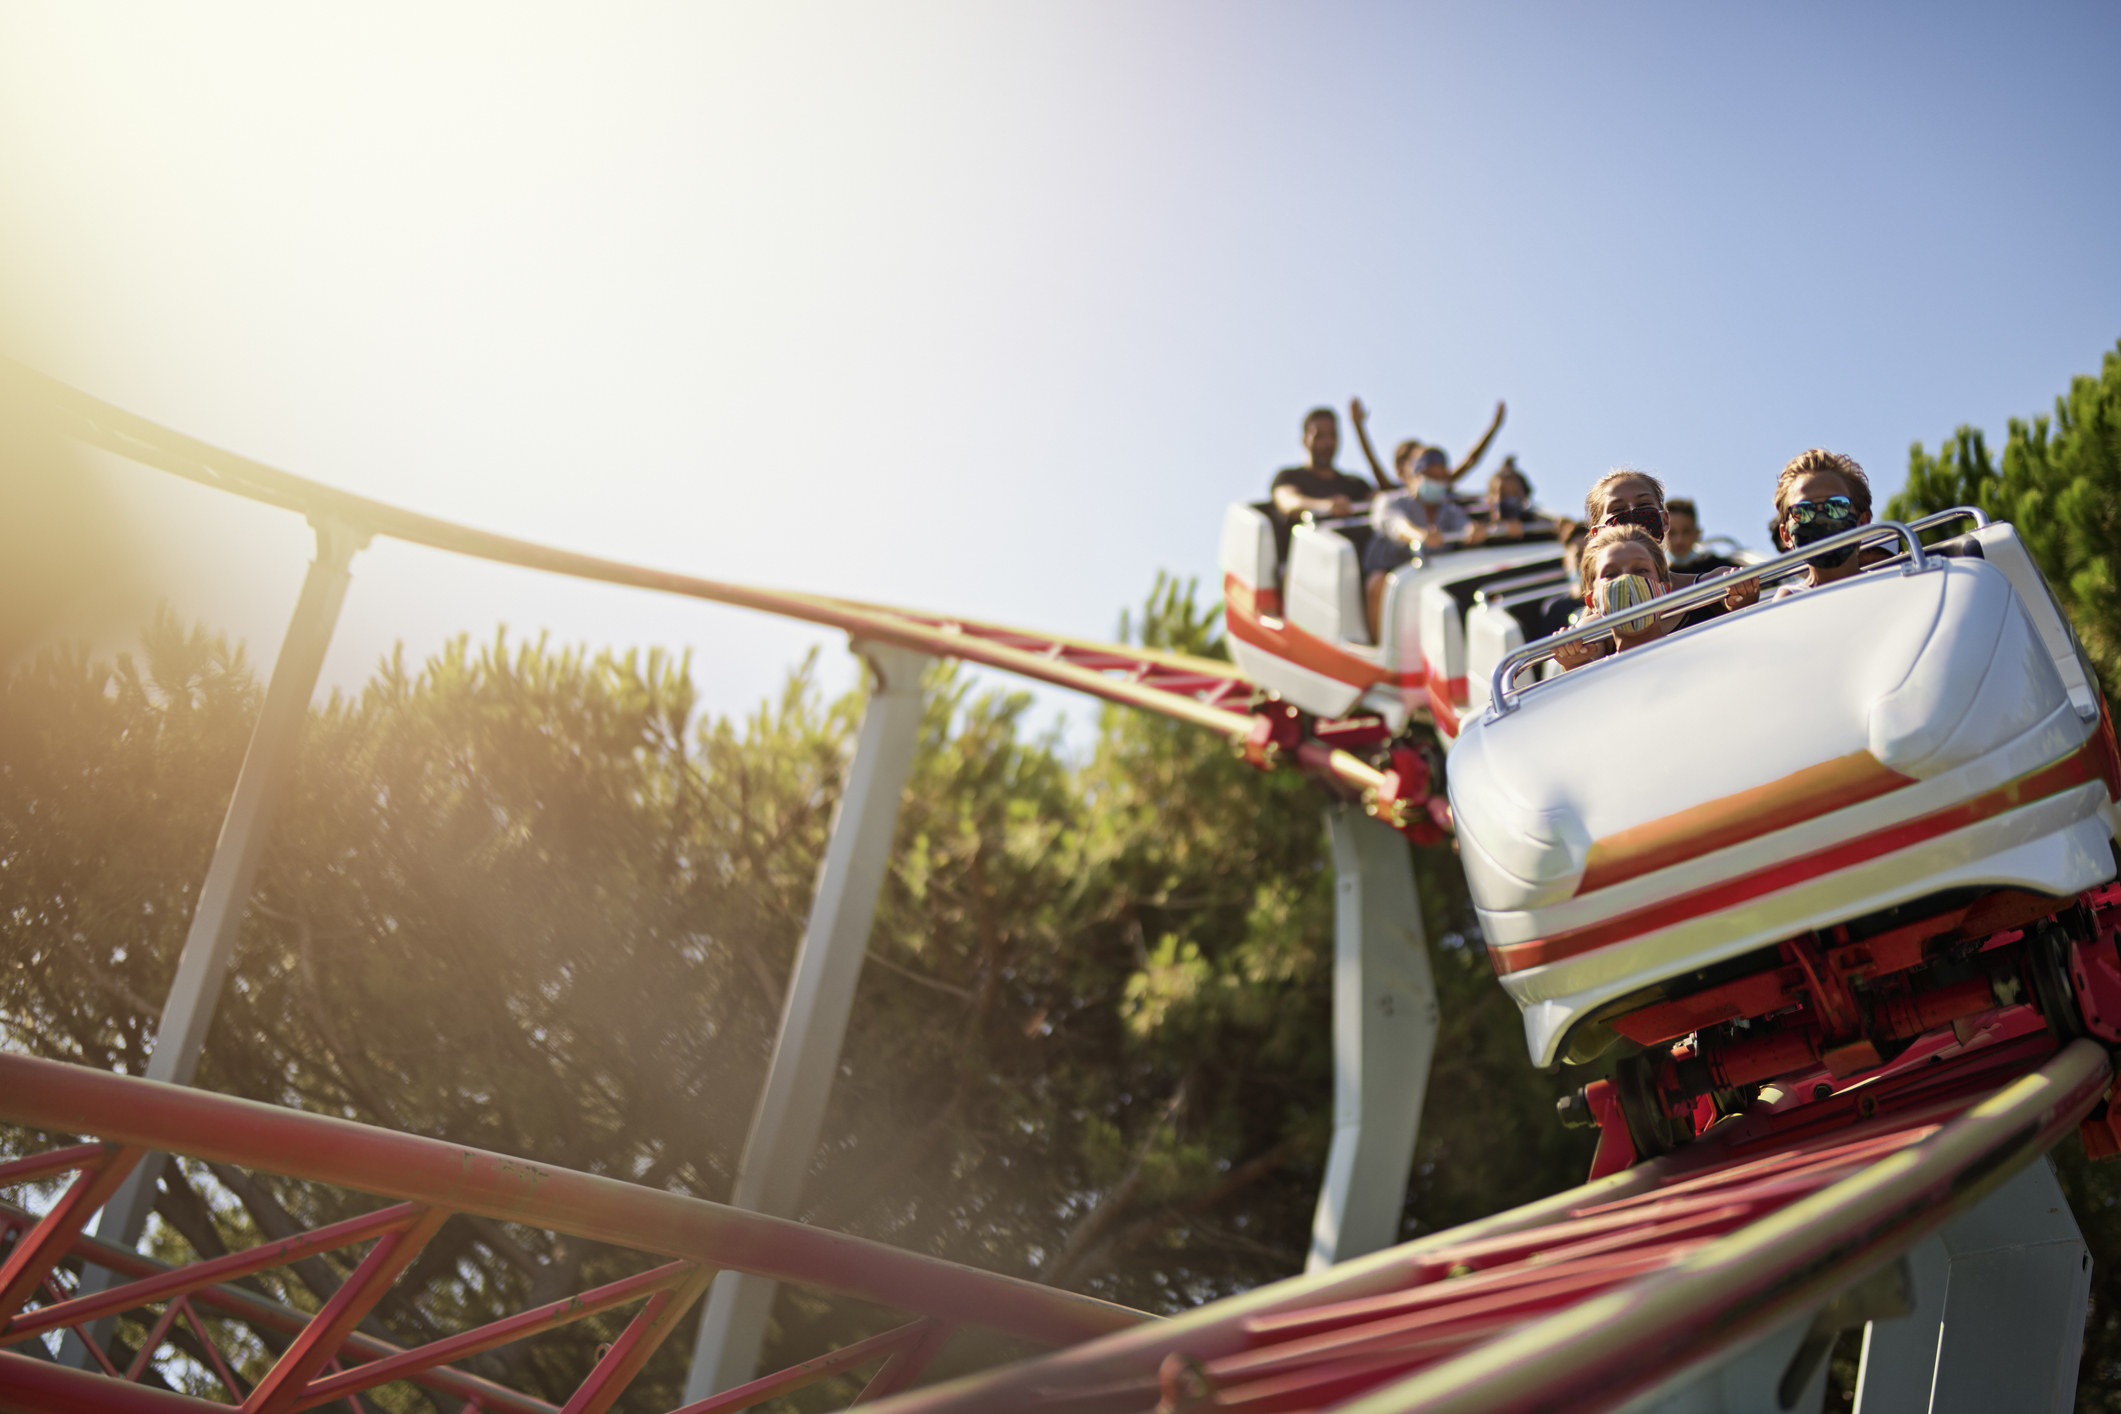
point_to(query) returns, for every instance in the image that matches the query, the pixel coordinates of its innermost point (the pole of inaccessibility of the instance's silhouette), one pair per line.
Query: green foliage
(518, 898)
(2060, 486)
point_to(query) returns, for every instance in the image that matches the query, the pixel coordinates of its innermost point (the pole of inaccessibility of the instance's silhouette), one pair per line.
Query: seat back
(1492, 633)
(1324, 588)
(1248, 554)
(1447, 605)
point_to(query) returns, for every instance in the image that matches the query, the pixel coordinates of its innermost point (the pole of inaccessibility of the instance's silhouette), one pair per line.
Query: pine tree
(2060, 486)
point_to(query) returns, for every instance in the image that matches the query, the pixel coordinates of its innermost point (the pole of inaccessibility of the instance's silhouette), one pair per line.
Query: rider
(1624, 497)
(1360, 416)
(1420, 518)
(1821, 493)
(1624, 566)
(1509, 512)
(1682, 542)
(1319, 486)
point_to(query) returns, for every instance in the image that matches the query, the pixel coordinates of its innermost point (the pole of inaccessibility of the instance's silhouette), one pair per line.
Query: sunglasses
(1832, 508)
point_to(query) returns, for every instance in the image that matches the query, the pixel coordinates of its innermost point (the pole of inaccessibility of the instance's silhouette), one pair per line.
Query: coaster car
(1793, 839)
(1300, 630)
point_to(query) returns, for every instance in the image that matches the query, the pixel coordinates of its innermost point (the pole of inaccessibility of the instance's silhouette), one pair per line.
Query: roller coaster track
(1206, 692)
(1575, 1302)
(1584, 1300)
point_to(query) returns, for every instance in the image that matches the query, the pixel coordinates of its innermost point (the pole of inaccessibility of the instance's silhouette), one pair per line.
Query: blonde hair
(1606, 538)
(1819, 459)
(1594, 502)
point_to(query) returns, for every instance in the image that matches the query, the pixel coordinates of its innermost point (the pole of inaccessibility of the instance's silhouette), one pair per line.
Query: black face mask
(1650, 518)
(1813, 533)
(1509, 508)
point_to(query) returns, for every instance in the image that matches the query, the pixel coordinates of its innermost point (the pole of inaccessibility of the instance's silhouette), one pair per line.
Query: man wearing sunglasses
(1822, 493)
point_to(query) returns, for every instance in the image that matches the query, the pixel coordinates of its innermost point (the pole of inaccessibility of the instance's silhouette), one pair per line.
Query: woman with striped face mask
(1627, 497)
(1622, 568)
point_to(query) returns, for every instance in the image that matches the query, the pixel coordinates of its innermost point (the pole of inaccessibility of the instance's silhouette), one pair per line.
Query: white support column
(1784, 1370)
(1746, 1381)
(784, 1131)
(1986, 1315)
(1384, 1034)
(188, 1012)
(1999, 1311)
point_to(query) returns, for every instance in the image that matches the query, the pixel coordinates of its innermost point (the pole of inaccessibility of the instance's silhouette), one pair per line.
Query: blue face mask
(1433, 492)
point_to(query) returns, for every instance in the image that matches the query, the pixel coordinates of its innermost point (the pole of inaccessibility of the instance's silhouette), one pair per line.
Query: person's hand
(1659, 627)
(1357, 413)
(1742, 595)
(1510, 530)
(1575, 655)
(1477, 533)
(1339, 506)
(1432, 539)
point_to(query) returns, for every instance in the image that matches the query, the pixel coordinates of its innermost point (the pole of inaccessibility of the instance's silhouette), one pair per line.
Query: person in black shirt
(1557, 611)
(1319, 487)
(1682, 541)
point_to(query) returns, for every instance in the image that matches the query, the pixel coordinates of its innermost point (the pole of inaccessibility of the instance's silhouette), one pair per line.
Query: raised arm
(1360, 416)
(1480, 448)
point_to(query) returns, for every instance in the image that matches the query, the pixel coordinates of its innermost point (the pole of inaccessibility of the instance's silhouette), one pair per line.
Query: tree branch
(1100, 1218)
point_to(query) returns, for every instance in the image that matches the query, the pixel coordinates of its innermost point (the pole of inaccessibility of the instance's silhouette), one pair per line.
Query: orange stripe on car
(1244, 610)
(1732, 819)
(2075, 769)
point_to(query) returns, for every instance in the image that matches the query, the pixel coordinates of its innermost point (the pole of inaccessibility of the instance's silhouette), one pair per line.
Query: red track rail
(684, 1242)
(1571, 1303)
(1586, 1299)
(1206, 692)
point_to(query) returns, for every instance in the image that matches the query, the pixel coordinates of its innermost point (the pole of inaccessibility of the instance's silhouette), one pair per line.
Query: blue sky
(991, 308)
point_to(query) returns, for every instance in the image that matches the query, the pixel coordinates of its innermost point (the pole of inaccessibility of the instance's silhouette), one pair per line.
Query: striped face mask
(1625, 592)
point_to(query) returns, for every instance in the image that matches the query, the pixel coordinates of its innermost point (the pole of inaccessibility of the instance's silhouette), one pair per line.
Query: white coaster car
(1303, 635)
(1925, 728)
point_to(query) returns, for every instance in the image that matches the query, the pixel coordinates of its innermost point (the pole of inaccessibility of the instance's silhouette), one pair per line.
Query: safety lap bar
(1545, 577)
(1945, 517)
(1501, 697)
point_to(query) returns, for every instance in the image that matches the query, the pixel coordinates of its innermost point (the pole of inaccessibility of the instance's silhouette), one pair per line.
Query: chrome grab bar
(1973, 513)
(1546, 575)
(1526, 595)
(1502, 697)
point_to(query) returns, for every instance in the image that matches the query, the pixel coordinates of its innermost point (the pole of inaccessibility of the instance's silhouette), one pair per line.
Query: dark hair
(1510, 467)
(1316, 413)
(1681, 506)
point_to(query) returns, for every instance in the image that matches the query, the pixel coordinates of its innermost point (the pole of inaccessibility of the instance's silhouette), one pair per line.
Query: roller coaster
(1854, 937)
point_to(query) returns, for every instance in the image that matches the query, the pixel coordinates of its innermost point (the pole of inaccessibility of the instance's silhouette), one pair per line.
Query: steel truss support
(188, 1012)
(791, 1112)
(1384, 1036)
(1999, 1299)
